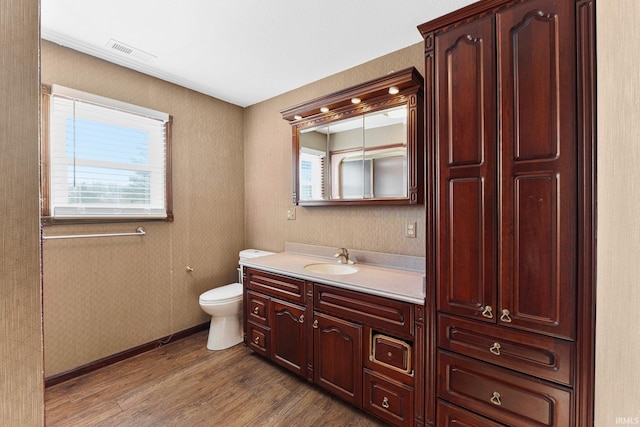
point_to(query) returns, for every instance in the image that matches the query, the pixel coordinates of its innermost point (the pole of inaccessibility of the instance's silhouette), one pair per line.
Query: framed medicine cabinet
(361, 145)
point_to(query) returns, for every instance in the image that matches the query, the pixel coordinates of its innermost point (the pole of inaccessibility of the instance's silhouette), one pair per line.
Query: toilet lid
(222, 294)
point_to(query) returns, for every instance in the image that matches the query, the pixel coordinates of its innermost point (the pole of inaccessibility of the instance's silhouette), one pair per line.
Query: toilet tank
(250, 253)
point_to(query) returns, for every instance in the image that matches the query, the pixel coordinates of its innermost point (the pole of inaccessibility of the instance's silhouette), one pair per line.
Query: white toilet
(224, 304)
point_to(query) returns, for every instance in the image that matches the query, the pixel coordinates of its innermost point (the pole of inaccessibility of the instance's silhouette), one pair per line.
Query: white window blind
(311, 174)
(107, 158)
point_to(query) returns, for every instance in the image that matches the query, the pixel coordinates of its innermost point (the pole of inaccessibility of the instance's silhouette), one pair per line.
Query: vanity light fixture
(297, 117)
(393, 90)
(324, 110)
(355, 100)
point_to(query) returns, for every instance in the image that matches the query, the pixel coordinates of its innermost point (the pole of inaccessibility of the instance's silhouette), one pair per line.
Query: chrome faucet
(343, 256)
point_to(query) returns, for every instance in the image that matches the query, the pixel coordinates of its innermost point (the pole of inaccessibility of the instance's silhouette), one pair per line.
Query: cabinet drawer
(388, 399)
(378, 312)
(258, 308)
(532, 354)
(500, 394)
(391, 352)
(259, 338)
(448, 415)
(287, 288)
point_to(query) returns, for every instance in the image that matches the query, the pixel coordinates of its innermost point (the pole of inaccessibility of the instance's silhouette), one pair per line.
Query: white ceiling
(240, 51)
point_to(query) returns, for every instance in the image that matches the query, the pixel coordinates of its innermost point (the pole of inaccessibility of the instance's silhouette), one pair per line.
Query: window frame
(45, 173)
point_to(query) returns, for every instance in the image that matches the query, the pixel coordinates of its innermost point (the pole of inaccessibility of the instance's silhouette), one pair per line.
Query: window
(103, 160)
(311, 174)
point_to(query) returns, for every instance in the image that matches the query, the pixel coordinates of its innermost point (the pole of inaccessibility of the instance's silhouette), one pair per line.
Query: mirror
(362, 150)
(359, 158)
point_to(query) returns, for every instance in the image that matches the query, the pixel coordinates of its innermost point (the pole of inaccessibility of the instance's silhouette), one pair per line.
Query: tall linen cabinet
(511, 186)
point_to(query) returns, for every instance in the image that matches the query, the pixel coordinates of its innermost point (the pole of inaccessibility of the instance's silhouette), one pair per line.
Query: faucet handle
(343, 256)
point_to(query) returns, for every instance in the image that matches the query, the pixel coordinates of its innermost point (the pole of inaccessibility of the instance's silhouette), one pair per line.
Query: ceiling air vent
(126, 50)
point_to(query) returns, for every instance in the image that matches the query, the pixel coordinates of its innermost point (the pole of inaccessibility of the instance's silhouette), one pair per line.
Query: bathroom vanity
(356, 331)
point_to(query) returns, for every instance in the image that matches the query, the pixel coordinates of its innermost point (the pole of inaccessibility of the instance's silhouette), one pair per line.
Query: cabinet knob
(257, 340)
(385, 403)
(301, 319)
(495, 399)
(256, 310)
(505, 316)
(495, 348)
(315, 324)
(488, 312)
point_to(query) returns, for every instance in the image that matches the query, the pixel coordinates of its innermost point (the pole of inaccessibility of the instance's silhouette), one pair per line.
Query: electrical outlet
(291, 213)
(410, 229)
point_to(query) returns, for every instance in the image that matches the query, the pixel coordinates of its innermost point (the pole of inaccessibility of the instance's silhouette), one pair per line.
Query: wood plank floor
(184, 384)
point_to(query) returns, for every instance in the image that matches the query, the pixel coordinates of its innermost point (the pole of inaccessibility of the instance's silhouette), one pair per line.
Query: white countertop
(403, 285)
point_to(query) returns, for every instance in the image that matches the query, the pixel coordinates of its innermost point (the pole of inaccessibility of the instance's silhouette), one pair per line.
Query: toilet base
(224, 332)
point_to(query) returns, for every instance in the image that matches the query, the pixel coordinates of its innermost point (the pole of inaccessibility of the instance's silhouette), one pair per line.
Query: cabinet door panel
(257, 308)
(465, 103)
(284, 287)
(449, 415)
(536, 74)
(501, 394)
(288, 336)
(338, 357)
(382, 313)
(533, 354)
(388, 399)
(259, 339)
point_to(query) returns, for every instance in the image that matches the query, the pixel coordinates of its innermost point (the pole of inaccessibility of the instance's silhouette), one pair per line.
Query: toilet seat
(222, 295)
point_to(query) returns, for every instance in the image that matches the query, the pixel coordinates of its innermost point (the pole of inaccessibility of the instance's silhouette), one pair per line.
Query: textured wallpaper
(617, 397)
(268, 182)
(103, 296)
(21, 397)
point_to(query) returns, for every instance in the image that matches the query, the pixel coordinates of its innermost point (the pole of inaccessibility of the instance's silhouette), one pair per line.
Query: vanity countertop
(402, 285)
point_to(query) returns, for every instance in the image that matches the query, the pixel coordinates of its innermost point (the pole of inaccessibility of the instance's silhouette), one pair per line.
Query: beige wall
(268, 187)
(618, 262)
(103, 296)
(21, 393)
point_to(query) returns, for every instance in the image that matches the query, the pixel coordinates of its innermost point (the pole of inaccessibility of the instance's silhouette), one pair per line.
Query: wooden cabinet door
(289, 345)
(337, 346)
(466, 133)
(538, 177)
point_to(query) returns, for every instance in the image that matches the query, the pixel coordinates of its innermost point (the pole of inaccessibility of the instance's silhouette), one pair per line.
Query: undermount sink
(327, 268)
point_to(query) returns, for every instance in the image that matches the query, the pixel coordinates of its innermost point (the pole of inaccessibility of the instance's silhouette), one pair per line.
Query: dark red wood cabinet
(507, 168)
(507, 87)
(337, 361)
(365, 349)
(274, 323)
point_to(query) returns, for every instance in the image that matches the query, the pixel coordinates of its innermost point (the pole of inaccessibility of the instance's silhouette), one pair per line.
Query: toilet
(224, 305)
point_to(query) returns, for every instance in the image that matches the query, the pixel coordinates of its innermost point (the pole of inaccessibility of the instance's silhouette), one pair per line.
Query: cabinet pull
(256, 310)
(301, 319)
(505, 316)
(495, 348)
(488, 312)
(256, 341)
(315, 324)
(495, 399)
(385, 403)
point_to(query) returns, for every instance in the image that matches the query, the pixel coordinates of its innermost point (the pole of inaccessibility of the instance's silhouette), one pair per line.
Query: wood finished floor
(184, 384)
